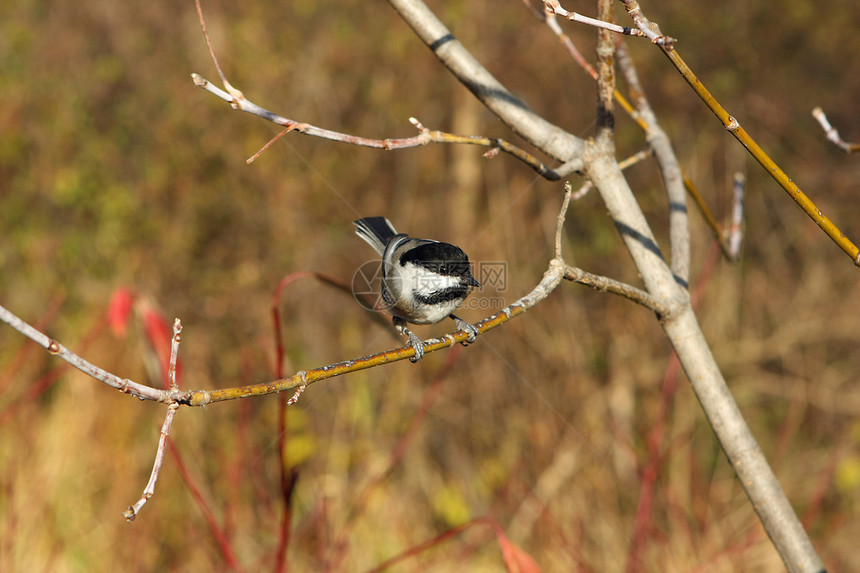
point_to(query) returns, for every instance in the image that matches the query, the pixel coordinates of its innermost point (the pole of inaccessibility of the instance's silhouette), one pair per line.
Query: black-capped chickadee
(423, 281)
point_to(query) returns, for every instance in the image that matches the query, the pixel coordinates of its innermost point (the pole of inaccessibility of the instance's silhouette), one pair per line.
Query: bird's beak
(470, 281)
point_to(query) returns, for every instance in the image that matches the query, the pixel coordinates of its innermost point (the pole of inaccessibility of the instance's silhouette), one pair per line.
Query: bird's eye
(443, 269)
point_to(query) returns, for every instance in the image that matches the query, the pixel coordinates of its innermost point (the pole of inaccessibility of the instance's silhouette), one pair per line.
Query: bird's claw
(417, 345)
(466, 327)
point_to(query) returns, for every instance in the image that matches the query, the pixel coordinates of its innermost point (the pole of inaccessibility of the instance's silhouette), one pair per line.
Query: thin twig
(52, 346)
(234, 93)
(670, 169)
(551, 279)
(623, 164)
(606, 284)
(716, 228)
(734, 127)
(831, 132)
(239, 102)
(551, 21)
(426, 136)
(736, 233)
(559, 222)
(131, 513)
(174, 353)
(555, 273)
(149, 490)
(494, 143)
(648, 28)
(598, 282)
(554, 7)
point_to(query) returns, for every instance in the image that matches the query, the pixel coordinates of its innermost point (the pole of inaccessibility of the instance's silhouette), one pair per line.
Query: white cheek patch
(426, 282)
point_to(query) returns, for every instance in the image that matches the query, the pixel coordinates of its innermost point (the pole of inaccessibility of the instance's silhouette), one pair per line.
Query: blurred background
(570, 428)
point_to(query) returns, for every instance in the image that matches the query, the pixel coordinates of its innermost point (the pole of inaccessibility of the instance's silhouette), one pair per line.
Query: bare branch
(670, 169)
(734, 127)
(149, 490)
(551, 279)
(174, 354)
(832, 133)
(605, 75)
(606, 284)
(648, 28)
(122, 384)
(550, 20)
(715, 227)
(623, 164)
(554, 7)
(597, 282)
(559, 222)
(545, 136)
(131, 513)
(736, 233)
(301, 379)
(426, 136)
(494, 143)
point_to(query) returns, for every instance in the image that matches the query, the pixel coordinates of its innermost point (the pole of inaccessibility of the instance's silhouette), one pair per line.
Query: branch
(736, 234)
(666, 44)
(553, 7)
(426, 136)
(598, 282)
(52, 346)
(832, 133)
(551, 279)
(734, 127)
(545, 136)
(131, 513)
(606, 284)
(555, 273)
(676, 229)
(238, 101)
(596, 159)
(670, 169)
(650, 29)
(300, 380)
(605, 76)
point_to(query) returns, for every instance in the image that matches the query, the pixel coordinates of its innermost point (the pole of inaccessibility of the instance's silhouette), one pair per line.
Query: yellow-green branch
(784, 181)
(551, 279)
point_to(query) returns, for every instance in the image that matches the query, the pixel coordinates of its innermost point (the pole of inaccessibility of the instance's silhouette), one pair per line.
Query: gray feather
(376, 231)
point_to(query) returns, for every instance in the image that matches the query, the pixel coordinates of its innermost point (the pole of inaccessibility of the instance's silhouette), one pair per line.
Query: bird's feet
(417, 345)
(466, 327)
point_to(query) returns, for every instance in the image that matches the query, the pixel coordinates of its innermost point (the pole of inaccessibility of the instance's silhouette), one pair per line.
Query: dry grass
(117, 171)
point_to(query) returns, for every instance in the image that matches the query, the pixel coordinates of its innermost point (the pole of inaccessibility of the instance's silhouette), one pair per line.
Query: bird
(423, 281)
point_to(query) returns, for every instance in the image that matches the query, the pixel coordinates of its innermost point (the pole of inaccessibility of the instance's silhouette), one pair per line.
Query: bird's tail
(376, 231)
